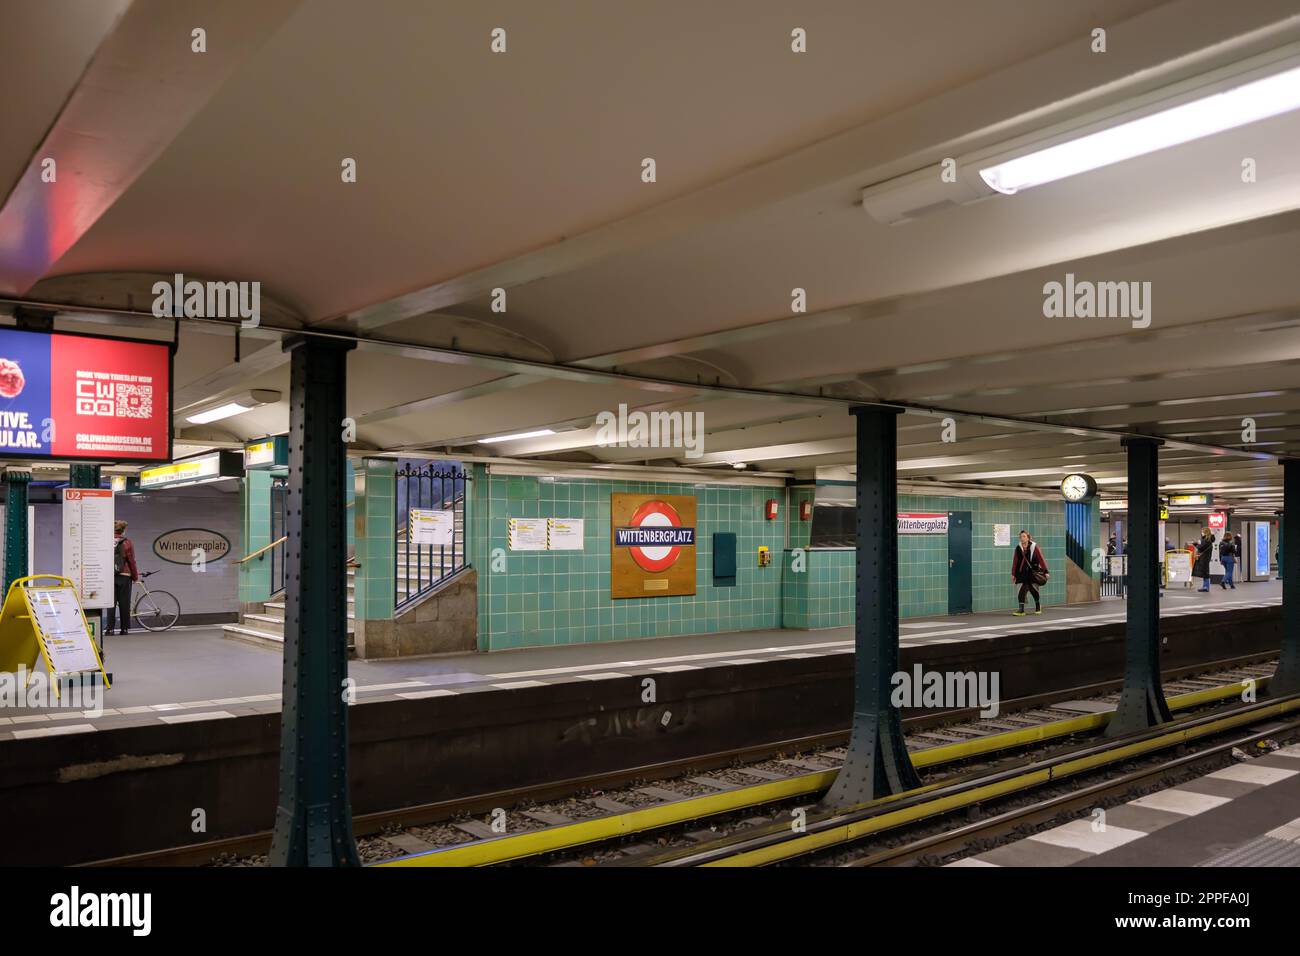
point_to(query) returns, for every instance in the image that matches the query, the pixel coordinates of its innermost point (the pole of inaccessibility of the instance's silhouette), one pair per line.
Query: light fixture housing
(1213, 112)
(231, 406)
(1235, 95)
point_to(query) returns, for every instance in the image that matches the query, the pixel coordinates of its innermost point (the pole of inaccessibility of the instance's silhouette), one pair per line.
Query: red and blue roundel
(655, 537)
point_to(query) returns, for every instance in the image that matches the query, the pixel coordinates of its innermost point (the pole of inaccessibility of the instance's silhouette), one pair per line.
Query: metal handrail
(259, 551)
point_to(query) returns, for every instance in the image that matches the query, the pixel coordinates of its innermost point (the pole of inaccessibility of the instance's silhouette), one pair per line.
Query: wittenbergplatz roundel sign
(652, 544)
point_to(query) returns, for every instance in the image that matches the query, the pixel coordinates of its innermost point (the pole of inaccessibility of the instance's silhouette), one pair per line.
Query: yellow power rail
(570, 835)
(849, 832)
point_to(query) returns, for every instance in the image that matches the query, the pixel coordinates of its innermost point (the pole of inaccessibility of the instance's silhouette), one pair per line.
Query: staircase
(267, 628)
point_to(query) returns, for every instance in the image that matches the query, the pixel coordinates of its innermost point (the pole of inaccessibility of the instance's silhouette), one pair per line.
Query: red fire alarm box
(770, 509)
(805, 510)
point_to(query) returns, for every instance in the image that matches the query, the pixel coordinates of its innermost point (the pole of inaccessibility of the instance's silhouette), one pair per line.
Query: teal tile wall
(822, 595)
(826, 597)
(562, 597)
(923, 574)
(800, 531)
(255, 575)
(375, 501)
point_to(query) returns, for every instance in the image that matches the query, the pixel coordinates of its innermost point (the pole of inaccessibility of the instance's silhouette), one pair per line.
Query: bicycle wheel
(156, 610)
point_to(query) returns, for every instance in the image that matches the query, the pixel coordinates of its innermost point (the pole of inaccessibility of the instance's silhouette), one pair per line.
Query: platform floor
(1247, 814)
(196, 673)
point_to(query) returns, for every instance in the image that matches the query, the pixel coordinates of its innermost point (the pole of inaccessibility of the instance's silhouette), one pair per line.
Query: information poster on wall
(1002, 536)
(526, 534)
(652, 545)
(88, 544)
(61, 629)
(435, 528)
(564, 534)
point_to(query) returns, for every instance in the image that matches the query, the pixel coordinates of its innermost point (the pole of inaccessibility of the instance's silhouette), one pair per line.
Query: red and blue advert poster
(81, 397)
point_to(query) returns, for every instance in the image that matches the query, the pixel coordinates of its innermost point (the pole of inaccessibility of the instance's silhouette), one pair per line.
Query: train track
(692, 800)
(835, 830)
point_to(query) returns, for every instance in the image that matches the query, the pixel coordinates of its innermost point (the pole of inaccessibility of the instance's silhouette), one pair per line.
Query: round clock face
(1076, 487)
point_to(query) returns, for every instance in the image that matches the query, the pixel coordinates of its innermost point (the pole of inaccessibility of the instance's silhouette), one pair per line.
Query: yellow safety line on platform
(568, 835)
(885, 821)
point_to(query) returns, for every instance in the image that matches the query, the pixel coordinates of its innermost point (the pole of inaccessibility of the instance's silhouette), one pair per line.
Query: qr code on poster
(134, 401)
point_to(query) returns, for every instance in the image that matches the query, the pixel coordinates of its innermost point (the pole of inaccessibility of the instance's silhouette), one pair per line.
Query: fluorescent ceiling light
(228, 410)
(232, 406)
(540, 433)
(1216, 113)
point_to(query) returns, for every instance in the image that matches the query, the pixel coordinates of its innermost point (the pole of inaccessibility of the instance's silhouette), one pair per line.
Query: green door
(959, 562)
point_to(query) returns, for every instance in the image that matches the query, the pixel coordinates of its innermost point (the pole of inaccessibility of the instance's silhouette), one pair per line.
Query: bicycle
(155, 610)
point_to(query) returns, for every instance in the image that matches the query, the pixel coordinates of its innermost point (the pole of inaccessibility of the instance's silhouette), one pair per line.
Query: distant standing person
(1228, 549)
(125, 574)
(1204, 548)
(1029, 570)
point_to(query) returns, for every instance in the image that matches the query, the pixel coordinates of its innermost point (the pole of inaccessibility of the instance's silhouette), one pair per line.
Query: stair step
(252, 635)
(265, 624)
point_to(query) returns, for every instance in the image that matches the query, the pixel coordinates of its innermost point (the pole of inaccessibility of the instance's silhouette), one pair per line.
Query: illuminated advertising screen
(81, 397)
(1262, 553)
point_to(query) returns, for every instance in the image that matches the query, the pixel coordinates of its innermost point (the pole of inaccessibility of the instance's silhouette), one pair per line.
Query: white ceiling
(521, 171)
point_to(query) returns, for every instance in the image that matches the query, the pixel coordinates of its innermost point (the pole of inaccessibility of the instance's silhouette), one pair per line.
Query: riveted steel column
(313, 821)
(1286, 679)
(83, 476)
(877, 763)
(1142, 702)
(16, 482)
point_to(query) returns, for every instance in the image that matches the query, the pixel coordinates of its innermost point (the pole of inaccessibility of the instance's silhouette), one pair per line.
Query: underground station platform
(466, 727)
(565, 438)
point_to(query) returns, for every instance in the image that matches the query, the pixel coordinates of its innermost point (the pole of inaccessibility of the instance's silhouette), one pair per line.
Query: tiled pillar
(255, 575)
(478, 549)
(375, 487)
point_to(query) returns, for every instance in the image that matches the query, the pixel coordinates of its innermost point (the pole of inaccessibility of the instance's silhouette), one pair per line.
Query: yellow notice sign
(47, 622)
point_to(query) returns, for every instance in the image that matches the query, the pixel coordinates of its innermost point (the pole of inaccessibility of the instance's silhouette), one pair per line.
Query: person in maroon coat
(1028, 559)
(125, 573)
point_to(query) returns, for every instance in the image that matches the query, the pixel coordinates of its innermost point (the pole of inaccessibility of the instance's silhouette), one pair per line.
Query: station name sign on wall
(84, 397)
(179, 546)
(922, 523)
(652, 545)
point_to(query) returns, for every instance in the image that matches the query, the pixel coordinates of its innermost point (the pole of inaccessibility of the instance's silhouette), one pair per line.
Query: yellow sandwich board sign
(47, 622)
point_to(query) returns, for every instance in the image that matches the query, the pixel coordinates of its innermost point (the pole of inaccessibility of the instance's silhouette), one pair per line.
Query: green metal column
(877, 763)
(1142, 701)
(16, 482)
(83, 476)
(313, 821)
(1286, 679)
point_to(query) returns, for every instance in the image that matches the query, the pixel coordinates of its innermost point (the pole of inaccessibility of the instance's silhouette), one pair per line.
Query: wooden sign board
(652, 545)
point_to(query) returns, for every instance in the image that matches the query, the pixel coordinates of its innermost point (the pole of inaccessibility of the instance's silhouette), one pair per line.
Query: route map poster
(84, 397)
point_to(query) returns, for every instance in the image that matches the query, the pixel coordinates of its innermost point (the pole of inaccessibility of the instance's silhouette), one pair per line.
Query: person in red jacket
(1028, 559)
(125, 573)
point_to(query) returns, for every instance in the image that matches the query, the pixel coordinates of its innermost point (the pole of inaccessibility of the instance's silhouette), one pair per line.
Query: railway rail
(688, 802)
